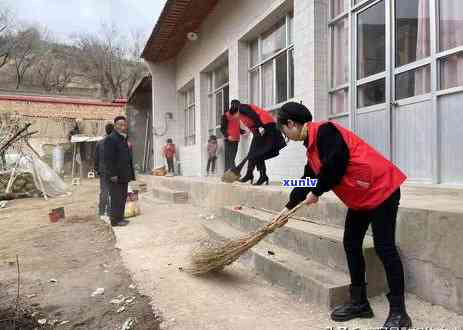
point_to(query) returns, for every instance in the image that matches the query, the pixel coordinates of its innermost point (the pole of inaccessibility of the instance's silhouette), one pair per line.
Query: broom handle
(278, 221)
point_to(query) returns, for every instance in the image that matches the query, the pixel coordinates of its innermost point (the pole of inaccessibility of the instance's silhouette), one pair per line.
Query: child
(169, 153)
(211, 153)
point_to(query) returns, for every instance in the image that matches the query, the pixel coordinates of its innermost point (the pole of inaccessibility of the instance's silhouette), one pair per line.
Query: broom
(209, 258)
(233, 174)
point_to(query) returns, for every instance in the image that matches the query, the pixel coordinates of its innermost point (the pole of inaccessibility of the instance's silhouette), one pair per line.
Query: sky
(66, 17)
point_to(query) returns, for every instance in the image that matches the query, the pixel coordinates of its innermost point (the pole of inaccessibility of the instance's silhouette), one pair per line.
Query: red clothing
(369, 179)
(169, 150)
(263, 116)
(233, 127)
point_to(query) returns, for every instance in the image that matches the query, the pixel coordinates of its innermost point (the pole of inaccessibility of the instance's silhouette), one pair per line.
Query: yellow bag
(131, 209)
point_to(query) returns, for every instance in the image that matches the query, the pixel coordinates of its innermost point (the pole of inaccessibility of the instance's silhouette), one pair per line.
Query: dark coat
(117, 158)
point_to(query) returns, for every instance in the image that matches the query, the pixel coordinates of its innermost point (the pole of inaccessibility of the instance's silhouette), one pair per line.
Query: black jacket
(118, 158)
(334, 156)
(99, 157)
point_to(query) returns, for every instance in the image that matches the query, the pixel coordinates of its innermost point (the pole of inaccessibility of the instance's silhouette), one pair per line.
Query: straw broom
(211, 259)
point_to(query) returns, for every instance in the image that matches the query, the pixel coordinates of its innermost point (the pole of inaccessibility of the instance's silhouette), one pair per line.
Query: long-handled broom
(209, 258)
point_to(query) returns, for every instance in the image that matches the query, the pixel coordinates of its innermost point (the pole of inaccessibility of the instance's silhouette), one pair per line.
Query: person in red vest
(369, 185)
(267, 140)
(169, 152)
(230, 128)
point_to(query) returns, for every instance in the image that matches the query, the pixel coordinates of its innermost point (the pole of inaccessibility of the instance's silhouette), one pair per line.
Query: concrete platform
(429, 229)
(170, 195)
(303, 277)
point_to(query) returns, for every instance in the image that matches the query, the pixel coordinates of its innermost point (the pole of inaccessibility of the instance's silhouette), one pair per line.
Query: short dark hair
(119, 118)
(297, 112)
(234, 106)
(109, 128)
(213, 137)
(169, 140)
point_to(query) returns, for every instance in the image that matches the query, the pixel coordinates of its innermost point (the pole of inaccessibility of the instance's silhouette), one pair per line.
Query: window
(271, 74)
(451, 37)
(371, 47)
(218, 98)
(189, 108)
(413, 82)
(339, 38)
(412, 31)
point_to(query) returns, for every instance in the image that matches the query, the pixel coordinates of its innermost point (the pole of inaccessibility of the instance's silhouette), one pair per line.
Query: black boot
(359, 307)
(262, 179)
(398, 317)
(249, 173)
(263, 174)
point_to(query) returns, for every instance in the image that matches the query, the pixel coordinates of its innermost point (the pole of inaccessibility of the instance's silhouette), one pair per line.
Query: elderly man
(119, 169)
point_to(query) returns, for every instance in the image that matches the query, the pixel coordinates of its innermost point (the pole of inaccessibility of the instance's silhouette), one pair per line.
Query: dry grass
(210, 257)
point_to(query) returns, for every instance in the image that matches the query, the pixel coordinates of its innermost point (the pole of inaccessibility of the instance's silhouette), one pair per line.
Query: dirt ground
(62, 264)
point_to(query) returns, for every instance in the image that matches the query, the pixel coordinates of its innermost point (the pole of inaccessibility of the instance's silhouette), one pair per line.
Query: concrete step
(321, 243)
(307, 279)
(170, 195)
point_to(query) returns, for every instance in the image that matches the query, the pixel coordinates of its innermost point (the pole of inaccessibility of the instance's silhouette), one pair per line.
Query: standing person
(267, 140)
(369, 185)
(211, 153)
(230, 128)
(169, 152)
(103, 205)
(119, 169)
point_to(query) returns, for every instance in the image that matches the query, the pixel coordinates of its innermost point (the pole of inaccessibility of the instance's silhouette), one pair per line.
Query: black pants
(170, 165)
(383, 224)
(118, 195)
(231, 148)
(211, 163)
(103, 205)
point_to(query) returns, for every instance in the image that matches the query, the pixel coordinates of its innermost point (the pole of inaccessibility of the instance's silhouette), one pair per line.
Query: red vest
(233, 127)
(169, 150)
(263, 115)
(370, 178)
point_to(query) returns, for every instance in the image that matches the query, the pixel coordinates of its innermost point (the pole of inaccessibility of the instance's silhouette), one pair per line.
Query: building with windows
(391, 70)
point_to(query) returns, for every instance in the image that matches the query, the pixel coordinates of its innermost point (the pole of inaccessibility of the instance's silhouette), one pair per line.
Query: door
(393, 104)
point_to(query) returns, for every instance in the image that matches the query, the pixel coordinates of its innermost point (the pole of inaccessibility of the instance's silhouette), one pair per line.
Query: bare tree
(26, 51)
(111, 61)
(56, 68)
(6, 22)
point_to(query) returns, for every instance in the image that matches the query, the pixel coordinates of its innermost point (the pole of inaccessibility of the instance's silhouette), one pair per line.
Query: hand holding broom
(210, 259)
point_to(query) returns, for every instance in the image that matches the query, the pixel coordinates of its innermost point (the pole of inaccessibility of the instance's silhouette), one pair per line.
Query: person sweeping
(369, 185)
(266, 142)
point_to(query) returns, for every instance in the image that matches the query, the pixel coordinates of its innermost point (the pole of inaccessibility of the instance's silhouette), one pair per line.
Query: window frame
(189, 107)
(212, 94)
(289, 47)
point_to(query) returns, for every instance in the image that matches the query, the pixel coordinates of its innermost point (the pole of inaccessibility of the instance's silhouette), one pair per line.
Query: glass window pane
(191, 120)
(274, 40)
(371, 93)
(255, 87)
(413, 82)
(221, 76)
(282, 78)
(340, 59)
(218, 106)
(226, 99)
(412, 31)
(209, 83)
(371, 38)
(338, 7)
(339, 101)
(211, 113)
(254, 47)
(450, 24)
(451, 71)
(291, 28)
(267, 84)
(291, 74)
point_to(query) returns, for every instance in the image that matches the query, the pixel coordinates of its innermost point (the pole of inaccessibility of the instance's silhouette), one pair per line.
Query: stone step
(321, 243)
(170, 195)
(309, 280)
